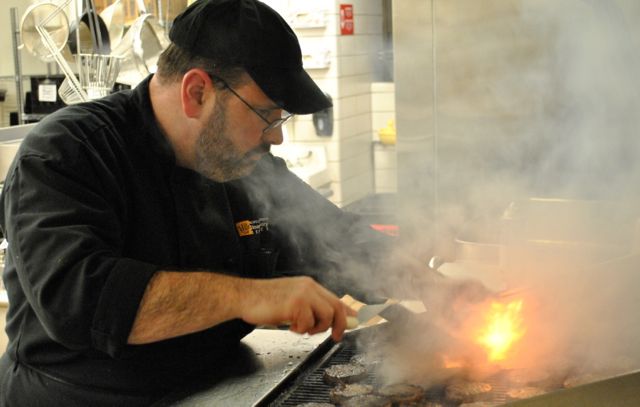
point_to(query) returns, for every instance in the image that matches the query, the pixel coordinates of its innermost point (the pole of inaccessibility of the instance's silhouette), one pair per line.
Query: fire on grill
(492, 353)
(571, 333)
(490, 334)
(476, 361)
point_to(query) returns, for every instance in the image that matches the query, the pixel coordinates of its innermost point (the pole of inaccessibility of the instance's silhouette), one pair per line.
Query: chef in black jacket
(149, 231)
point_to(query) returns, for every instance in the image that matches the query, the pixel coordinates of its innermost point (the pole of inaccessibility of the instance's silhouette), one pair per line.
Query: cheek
(245, 136)
(241, 127)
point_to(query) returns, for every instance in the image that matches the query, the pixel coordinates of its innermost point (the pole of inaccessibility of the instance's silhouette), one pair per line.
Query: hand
(299, 301)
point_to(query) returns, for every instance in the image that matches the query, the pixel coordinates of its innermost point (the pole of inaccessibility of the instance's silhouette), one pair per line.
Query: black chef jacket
(94, 205)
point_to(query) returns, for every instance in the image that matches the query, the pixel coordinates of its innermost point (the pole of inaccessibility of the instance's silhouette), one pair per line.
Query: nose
(274, 136)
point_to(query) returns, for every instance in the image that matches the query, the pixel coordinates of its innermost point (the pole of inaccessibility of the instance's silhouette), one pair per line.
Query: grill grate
(308, 385)
(311, 387)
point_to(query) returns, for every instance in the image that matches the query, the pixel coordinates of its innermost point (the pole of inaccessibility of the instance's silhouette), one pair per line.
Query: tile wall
(383, 110)
(348, 80)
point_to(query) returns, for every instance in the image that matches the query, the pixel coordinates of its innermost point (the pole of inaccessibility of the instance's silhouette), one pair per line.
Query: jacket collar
(158, 142)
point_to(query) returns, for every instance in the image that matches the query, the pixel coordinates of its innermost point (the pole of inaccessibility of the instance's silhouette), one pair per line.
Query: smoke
(576, 252)
(592, 119)
(550, 111)
(546, 105)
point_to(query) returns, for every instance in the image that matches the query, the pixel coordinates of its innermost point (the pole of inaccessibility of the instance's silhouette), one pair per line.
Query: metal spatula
(389, 311)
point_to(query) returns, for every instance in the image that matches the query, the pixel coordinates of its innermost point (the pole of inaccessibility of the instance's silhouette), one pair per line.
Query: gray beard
(216, 156)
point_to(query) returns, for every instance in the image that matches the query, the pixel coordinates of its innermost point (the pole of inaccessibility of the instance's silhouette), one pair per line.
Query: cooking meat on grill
(402, 392)
(366, 359)
(344, 373)
(465, 392)
(369, 400)
(525, 392)
(342, 392)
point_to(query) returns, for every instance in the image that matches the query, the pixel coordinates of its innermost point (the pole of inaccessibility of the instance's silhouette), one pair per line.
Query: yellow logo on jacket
(252, 227)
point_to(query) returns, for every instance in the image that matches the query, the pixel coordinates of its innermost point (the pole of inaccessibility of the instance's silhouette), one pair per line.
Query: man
(149, 231)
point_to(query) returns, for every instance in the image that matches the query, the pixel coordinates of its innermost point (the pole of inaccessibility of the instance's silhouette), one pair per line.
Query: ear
(196, 88)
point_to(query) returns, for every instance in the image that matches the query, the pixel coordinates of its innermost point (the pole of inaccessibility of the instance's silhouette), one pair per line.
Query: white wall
(348, 81)
(383, 110)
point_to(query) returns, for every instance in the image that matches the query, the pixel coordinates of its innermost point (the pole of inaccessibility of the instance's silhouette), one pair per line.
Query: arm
(178, 303)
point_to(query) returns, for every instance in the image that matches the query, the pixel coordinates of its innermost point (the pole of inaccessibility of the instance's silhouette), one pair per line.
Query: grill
(307, 384)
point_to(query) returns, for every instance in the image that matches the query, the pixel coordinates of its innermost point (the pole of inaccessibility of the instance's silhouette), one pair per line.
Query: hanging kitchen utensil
(55, 23)
(89, 35)
(98, 73)
(47, 44)
(140, 49)
(68, 94)
(113, 17)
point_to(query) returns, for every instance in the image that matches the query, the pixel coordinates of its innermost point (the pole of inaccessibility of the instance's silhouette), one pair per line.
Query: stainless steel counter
(274, 353)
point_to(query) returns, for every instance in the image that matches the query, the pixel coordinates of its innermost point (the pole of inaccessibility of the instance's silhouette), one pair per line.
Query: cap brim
(293, 90)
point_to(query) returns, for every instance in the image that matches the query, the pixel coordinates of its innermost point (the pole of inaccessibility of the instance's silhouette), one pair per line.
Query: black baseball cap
(250, 34)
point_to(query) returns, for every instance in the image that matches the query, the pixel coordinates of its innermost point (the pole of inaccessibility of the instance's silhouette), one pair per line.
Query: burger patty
(344, 392)
(344, 373)
(366, 359)
(464, 392)
(402, 392)
(369, 400)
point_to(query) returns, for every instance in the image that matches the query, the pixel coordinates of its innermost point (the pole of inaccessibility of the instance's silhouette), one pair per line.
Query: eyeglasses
(284, 117)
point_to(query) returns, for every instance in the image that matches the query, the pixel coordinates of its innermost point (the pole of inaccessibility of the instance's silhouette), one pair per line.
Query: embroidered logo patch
(252, 227)
(244, 228)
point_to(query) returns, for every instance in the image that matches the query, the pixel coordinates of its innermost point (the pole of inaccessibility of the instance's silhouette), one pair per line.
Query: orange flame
(504, 327)
(451, 363)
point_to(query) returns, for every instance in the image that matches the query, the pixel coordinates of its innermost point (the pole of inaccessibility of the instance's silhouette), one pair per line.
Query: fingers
(320, 311)
(339, 322)
(303, 321)
(300, 302)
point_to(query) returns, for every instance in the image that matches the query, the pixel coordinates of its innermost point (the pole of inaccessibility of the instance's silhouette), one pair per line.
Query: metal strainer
(54, 20)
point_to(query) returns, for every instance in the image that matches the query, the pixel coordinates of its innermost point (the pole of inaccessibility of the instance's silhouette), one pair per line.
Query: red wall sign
(346, 19)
